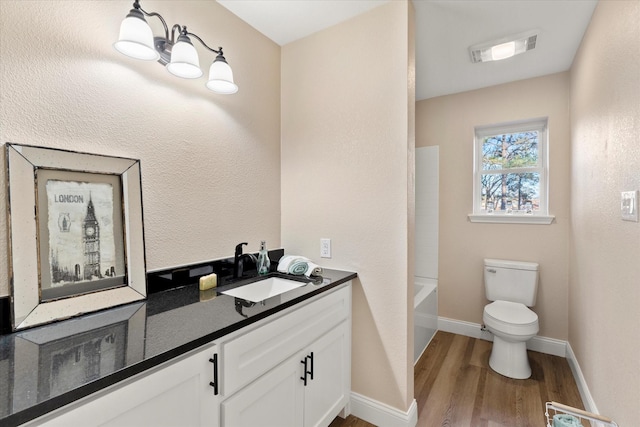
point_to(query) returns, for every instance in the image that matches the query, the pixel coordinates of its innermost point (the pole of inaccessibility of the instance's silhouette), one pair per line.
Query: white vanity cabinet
(308, 389)
(176, 393)
(292, 368)
(294, 371)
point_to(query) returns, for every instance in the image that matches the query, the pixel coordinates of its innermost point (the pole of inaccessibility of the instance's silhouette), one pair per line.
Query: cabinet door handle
(311, 358)
(214, 383)
(304, 362)
(308, 367)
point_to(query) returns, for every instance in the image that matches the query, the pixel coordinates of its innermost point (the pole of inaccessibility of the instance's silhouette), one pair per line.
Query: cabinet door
(176, 394)
(273, 400)
(260, 349)
(328, 392)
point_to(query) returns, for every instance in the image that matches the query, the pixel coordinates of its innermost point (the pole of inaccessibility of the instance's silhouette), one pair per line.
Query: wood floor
(454, 386)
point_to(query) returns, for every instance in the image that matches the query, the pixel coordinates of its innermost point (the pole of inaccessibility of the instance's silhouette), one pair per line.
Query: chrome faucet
(239, 258)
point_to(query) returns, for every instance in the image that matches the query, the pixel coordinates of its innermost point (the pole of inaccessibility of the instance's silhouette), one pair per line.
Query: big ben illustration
(91, 240)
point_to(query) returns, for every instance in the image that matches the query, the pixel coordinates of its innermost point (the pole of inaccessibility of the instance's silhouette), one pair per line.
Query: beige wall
(604, 303)
(347, 168)
(210, 163)
(449, 122)
(211, 166)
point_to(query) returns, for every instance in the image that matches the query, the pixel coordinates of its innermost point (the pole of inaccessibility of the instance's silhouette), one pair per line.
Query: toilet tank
(515, 281)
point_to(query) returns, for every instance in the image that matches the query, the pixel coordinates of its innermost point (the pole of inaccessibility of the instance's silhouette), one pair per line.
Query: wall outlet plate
(629, 205)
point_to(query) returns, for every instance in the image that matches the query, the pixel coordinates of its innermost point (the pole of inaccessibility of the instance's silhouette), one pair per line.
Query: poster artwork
(81, 232)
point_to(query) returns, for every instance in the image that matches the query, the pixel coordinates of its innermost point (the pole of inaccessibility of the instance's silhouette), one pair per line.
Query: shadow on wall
(371, 354)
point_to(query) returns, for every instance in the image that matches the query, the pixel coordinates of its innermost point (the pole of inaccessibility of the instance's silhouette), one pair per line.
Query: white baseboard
(585, 394)
(541, 344)
(380, 414)
(461, 327)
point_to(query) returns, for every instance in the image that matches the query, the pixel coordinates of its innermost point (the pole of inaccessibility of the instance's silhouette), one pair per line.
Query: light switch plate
(629, 205)
(325, 248)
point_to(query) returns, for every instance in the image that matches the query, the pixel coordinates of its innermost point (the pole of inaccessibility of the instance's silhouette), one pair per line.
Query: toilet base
(510, 359)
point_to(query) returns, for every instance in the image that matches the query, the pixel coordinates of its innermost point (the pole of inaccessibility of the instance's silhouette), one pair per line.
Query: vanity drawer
(252, 354)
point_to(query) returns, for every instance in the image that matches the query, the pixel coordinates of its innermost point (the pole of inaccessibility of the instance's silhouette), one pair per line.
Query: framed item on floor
(76, 233)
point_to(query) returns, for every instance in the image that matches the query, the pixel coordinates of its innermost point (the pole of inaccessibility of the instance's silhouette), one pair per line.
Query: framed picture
(83, 250)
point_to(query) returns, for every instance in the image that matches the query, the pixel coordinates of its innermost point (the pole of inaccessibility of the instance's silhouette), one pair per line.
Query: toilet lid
(511, 312)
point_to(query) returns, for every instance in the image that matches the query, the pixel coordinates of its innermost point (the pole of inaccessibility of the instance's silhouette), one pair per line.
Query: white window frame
(540, 216)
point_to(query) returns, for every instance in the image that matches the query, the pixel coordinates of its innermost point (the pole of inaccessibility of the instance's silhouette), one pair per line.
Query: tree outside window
(511, 169)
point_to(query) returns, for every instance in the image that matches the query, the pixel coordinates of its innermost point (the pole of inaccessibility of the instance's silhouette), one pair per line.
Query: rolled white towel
(313, 270)
(287, 262)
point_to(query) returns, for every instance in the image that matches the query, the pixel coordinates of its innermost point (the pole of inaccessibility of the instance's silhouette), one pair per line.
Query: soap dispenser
(263, 259)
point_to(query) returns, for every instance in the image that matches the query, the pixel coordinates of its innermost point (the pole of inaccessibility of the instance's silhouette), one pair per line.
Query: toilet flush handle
(491, 270)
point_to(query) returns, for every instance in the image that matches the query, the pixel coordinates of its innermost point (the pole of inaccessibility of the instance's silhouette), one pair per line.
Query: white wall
(347, 174)
(210, 163)
(604, 293)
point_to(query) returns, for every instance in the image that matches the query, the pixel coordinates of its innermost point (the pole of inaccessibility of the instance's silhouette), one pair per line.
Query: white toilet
(512, 286)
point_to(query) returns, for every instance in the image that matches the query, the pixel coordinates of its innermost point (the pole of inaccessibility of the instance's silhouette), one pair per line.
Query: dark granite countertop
(45, 368)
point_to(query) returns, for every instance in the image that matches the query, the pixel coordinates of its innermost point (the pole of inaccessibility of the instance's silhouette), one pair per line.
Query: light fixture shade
(221, 77)
(503, 51)
(184, 59)
(136, 38)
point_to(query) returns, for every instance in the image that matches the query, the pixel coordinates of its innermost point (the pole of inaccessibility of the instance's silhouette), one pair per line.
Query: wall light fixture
(504, 48)
(179, 56)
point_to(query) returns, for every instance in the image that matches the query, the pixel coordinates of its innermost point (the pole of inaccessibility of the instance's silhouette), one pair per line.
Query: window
(510, 173)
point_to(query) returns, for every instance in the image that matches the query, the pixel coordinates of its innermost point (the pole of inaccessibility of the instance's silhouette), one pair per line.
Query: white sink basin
(263, 289)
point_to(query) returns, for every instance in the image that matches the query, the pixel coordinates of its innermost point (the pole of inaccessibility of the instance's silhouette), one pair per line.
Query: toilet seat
(511, 318)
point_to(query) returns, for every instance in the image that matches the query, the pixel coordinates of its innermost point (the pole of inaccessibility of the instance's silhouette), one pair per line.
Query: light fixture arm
(181, 29)
(219, 51)
(136, 5)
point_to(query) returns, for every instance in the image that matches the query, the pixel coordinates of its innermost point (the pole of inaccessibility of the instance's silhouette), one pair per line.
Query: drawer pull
(214, 383)
(311, 358)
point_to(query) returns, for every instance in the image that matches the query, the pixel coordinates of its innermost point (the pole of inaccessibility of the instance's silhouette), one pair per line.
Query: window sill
(512, 219)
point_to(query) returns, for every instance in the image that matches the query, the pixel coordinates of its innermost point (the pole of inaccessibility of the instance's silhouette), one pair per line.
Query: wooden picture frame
(76, 241)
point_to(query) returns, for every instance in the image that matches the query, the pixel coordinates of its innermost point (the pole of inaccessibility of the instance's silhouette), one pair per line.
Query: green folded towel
(565, 420)
(298, 268)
